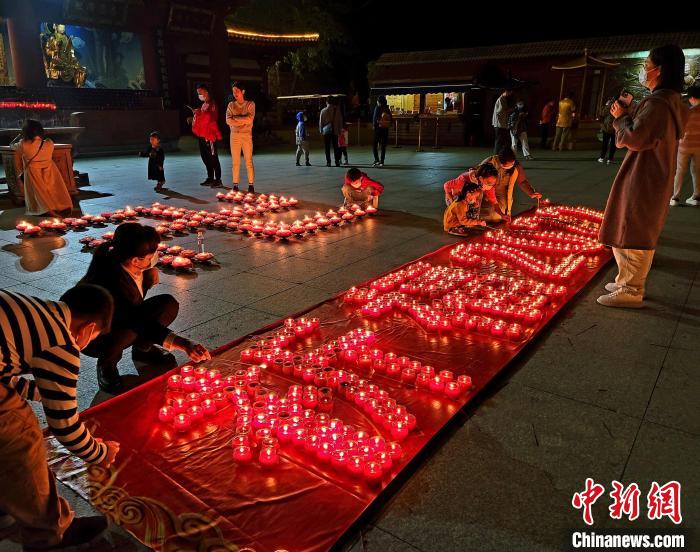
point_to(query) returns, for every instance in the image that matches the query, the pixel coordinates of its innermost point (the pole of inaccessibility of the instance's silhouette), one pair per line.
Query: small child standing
(156, 159)
(360, 188)
(343, 140)
(302, 139)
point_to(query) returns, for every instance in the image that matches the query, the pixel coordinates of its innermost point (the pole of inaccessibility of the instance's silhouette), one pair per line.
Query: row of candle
(585, 213)
(541, 246)
(271, 202)
(561, 270)
(350, 351)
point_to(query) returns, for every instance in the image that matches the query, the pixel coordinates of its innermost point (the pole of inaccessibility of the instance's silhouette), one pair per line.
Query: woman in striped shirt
(43, 339)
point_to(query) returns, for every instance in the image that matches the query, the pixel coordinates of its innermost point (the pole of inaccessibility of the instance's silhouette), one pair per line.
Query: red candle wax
(196, 413)
(242, 454)
(372, 471)
(166, 414)
(175, 382)
(209, 407)
(437, 385)
(452, 390)
(182, 422)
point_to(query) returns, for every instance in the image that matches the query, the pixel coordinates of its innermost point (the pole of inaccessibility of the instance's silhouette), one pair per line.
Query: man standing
(565, 119)
(330, 123)
(240, 114)
(545, 122)
(44, 339)
(501, 110)
(381, 121)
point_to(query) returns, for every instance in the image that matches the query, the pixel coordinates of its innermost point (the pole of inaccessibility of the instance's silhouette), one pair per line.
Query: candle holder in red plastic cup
(182, 422)
(166, 414)
(242, 454)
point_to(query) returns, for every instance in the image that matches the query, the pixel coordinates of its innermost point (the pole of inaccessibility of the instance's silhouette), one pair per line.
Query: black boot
(251, 189)
(81, 533)
(207, 182)
(217, 183)
(108, 377)
(235, 187)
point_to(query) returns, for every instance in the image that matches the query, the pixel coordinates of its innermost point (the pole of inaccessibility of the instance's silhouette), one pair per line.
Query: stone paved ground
(608, 394)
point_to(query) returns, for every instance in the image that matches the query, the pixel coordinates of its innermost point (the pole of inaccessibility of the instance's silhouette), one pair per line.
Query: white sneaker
(612, 286)
(674, 202)
(608, 162)
(622, 297)
(380, 165)
(692, 200)
(601, 160)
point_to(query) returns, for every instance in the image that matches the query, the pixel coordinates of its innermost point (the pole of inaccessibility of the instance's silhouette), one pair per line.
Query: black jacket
(127, 298)
(156, 158)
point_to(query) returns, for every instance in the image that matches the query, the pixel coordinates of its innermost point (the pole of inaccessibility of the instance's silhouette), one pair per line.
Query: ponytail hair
(131, 239)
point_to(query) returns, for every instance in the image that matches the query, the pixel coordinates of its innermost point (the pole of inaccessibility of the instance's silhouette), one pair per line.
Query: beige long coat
(638, 201)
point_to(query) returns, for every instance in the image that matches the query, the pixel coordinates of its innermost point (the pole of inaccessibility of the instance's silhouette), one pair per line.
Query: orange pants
(27, 487)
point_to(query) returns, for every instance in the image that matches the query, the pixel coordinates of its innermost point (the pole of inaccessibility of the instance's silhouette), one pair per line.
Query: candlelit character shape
(361, 189)
(156, 160)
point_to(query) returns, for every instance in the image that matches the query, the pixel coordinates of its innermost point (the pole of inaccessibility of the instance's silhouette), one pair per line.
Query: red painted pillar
(25, 46)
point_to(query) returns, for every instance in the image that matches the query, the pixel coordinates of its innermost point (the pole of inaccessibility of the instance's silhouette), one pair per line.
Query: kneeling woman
(127, 268)
(484, 175)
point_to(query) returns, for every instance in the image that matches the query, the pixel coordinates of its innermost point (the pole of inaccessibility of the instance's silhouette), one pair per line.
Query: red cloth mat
(184, 491)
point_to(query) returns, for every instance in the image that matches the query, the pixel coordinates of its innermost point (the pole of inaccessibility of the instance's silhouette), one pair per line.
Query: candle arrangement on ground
(316, 414)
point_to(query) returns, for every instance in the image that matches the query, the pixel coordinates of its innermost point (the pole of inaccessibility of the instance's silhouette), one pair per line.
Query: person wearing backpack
(330, 123)
(381, 120)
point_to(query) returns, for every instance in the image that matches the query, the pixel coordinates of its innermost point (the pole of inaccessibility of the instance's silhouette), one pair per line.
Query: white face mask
(154, 260)
(201, 97)
(643, 76)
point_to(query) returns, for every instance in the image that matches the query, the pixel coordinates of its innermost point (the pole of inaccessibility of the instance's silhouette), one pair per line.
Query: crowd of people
(109, 312)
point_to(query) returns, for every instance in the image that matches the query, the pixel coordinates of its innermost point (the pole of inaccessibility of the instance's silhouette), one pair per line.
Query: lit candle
(452, 389)
(182, 422)
(372, 471)
(196, 413)
(242, 454)
(175, 382)
(166, 414)
(268, 456)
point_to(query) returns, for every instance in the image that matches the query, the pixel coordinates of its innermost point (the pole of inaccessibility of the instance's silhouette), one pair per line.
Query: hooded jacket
(300, 131)
(638, 202)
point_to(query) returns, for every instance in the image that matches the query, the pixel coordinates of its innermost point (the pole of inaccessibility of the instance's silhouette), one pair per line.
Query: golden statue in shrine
(59, 57)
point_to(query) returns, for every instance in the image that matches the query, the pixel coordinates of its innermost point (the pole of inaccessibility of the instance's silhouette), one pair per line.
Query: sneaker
(675, 201)
(692, 200)
(298, 164)
(251, 189)
(207, 182)
(108, 378)
(612, 286)
(346, 163)
(380, 165)
(601, 160)
(308, 164)
(608, 162)
(529, 158)
(81, 533)
(375, 164)
(622, 297)
(234, 187)
(217, 183)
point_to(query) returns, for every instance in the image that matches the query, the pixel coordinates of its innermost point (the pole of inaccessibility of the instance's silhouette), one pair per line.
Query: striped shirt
(35, 340)
(690, 143)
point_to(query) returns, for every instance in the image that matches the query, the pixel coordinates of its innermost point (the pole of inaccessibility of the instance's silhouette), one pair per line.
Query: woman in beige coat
(638, 201)
(45, 191)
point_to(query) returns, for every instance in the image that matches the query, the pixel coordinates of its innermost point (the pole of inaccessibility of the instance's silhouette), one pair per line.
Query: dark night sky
(384, 26)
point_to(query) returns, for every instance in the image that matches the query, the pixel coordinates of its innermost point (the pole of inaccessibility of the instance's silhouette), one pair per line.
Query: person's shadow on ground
(172, 194)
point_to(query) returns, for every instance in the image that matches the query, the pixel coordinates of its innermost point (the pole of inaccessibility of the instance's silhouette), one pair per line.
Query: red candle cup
(242, 454)
(452, 390)
(372, 472)
(166, 414)
(182, 422)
